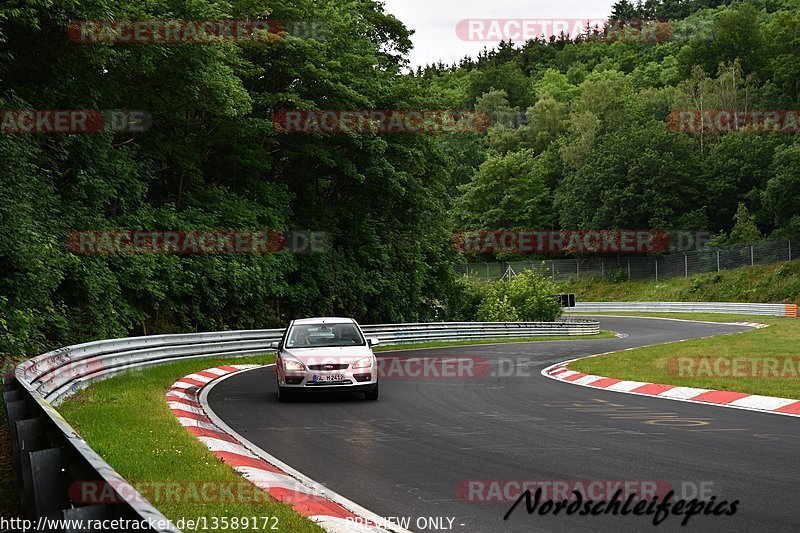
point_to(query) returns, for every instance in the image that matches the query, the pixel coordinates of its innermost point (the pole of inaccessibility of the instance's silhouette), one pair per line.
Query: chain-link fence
(681, 264)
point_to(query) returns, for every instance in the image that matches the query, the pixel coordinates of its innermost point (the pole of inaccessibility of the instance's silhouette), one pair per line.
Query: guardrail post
(49, 492)
(31, 436)
(85, 513)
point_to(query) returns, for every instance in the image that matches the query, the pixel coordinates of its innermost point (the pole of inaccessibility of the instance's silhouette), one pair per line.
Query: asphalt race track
(412, 453)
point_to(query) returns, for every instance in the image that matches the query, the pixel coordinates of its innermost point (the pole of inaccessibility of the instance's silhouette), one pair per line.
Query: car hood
(335, 354)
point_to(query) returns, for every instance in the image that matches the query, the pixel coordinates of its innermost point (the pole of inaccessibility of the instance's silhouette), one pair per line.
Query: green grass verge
(126, 420)
(651, 364)
(470, 342)
(775, 283)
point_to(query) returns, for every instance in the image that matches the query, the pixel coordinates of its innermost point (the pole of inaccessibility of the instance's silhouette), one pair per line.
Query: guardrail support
(49, 490)
(87, 512)
(31, 437)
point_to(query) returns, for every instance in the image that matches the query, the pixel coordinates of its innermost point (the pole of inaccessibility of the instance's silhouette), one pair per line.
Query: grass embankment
(657, 364)
(775, 283)
(126, 420)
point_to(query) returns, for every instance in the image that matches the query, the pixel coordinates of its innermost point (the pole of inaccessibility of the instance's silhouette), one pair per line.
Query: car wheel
(373, 394)
(283, 394)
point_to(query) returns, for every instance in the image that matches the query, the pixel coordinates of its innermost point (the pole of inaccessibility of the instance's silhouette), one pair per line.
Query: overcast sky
(435, 21)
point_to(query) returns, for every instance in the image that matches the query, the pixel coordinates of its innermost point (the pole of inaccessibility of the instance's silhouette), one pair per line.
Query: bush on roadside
(529, 297)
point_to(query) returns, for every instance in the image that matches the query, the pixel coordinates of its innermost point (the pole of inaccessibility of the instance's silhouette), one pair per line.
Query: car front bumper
(359, 379)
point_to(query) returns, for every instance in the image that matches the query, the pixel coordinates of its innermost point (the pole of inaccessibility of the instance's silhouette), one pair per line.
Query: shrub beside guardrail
(50, 455)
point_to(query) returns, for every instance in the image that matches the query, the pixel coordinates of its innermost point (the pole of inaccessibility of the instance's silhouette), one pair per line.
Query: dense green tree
(782, 194)
(734, 34)
(640, 177)
(508, 191)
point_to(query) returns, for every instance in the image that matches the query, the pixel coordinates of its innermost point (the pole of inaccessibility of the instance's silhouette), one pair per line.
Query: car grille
(328, 367)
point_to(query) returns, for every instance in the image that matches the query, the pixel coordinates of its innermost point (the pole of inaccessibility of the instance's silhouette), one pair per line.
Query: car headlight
(293, 365)
(366, 362)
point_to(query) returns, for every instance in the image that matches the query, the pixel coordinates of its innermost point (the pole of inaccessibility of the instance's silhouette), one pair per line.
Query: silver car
(326, 354)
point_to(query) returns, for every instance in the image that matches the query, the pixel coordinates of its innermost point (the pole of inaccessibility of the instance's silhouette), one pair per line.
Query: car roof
(324, 320)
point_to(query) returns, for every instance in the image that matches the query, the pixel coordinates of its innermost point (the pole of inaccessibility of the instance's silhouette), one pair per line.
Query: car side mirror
(275, 345)
(373, 341)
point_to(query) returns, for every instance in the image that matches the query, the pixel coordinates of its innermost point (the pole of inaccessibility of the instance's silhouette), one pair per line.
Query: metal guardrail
(52, 460)
(407, 333)
(688, 307)
(51, 456)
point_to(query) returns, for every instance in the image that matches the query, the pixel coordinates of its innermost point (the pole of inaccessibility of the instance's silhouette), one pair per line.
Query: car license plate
(328, 378)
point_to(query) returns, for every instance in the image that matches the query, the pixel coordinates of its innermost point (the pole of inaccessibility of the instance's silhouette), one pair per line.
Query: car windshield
(322, 335)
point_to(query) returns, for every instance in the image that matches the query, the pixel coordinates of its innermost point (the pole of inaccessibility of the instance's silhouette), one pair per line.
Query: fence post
(629, 268)
(603, 270)
(553, 267)
(656, 268)
(577, 269)
(717, 260)
(686, 263)
(752, 262)
(487, 270)
(790, 250)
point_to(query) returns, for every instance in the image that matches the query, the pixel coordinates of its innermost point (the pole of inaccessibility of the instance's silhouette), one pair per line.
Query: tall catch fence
(674, 265)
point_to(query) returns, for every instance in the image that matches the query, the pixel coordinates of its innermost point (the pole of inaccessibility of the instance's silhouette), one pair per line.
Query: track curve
(408, 454)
